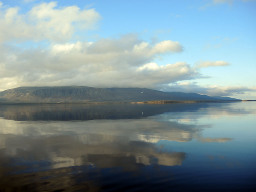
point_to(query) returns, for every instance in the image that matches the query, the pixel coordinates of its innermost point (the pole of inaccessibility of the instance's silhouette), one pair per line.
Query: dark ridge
(76, 94)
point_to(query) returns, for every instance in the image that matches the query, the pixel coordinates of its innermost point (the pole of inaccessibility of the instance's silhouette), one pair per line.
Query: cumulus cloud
(45, 21)
(203, 64)
(165, 46)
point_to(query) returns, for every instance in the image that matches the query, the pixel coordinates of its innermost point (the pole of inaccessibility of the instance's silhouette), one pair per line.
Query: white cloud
(167, 46)
(149, 67)
(204, 64)
(45, 21)
(66, 48)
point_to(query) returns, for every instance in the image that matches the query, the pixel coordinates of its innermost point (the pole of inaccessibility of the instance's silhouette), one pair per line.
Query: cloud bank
(126, 61)
(122, 62)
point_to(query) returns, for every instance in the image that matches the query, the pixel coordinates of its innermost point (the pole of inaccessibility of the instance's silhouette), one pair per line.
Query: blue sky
(203, 46)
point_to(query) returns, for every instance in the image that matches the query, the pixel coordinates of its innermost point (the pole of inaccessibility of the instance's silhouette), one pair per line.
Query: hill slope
(89, 94)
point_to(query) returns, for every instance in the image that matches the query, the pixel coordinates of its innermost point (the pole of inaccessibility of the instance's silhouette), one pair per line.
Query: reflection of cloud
(47, 180)
(215, 140)
(135, 130)
(147, 130)
(92, 149)
(128, 144)
(60, 162)
(72, 148)
(211, 110)
(185, 120)
(178, 125)
(101, 143)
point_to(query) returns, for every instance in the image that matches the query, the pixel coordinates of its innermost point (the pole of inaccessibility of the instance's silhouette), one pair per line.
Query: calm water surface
(172, 147)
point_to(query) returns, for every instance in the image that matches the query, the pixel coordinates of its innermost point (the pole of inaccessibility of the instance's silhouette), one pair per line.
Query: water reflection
(68, 112)
(44, 149)
(39, 153)
(88, 149)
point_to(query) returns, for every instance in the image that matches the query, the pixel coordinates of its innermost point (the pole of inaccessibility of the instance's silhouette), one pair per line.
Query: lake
(128, 147)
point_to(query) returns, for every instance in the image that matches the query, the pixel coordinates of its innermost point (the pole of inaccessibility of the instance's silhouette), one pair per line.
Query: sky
(202, 46)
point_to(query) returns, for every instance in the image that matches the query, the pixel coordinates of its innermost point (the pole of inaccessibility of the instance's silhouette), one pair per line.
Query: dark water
(172, 147)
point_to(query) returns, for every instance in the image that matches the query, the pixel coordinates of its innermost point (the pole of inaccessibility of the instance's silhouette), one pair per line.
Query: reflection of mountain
(69, 112)
(61, 112)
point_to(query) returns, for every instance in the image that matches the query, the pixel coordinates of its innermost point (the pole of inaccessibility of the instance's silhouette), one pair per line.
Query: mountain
(76, 94)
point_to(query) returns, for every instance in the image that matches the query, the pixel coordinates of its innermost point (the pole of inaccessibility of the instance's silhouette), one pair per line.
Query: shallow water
(171, 147)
